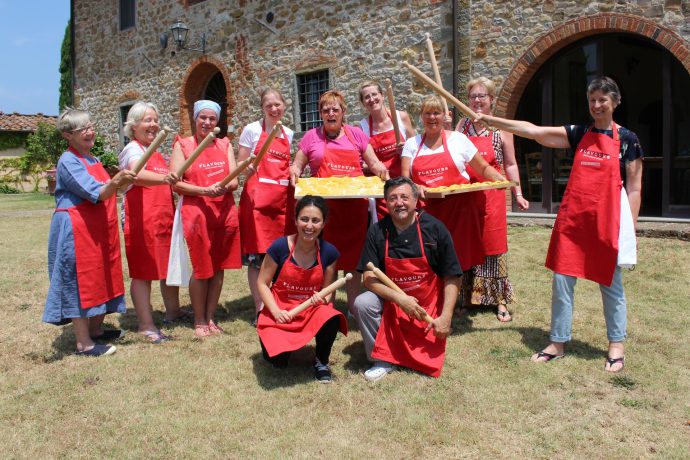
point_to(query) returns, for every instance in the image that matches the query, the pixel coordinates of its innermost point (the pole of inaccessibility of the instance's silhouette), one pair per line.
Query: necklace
(332, 136)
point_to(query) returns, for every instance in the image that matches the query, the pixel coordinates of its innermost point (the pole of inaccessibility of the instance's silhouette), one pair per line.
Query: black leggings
(324, 342)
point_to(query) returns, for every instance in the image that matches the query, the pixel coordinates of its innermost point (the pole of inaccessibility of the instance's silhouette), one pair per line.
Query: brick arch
(569, 32)
(193, 87)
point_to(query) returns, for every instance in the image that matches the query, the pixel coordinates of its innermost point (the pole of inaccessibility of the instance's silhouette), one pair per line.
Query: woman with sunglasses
(488, 283)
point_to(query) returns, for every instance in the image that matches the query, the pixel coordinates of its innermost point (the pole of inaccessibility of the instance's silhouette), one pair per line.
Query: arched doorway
(217, 92)
(206, 79)
(655, 91)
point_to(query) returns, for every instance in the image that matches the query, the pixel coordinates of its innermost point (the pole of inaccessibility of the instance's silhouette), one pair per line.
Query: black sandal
(612, 361)
(548, 356)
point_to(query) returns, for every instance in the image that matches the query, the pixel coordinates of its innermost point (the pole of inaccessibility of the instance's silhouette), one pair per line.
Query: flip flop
(612, 361)
(502, 315)
(548, 356)
(156, 337)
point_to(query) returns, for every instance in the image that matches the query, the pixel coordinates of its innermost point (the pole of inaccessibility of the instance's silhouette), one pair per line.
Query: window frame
(324, 84)
(133, 24)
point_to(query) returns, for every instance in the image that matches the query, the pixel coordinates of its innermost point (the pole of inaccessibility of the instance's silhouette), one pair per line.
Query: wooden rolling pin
(238, 170)
(151, 149)
(434, 68)
(334, 286)
(394, 114)
(389, 282)
(264, 148)
(428, 82)
(207, 140)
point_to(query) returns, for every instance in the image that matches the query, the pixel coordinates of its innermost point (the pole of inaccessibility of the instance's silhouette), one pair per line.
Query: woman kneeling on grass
(297, 266)
(84, 262)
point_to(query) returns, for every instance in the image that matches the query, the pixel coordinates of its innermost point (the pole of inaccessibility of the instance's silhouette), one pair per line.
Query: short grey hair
(135, 115)
(607, 86)
(72, 119)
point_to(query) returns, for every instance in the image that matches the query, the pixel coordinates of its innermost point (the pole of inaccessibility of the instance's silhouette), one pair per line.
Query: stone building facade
(251, 44)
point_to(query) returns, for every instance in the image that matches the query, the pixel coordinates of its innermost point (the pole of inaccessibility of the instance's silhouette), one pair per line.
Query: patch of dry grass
(217, 398)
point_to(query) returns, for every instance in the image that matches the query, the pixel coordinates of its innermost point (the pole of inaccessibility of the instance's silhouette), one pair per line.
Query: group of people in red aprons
(423, 245)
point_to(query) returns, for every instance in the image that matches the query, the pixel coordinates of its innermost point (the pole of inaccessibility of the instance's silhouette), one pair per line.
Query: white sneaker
(378, 371)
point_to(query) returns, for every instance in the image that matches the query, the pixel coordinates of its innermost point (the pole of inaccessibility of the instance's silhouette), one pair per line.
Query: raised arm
(548, 136)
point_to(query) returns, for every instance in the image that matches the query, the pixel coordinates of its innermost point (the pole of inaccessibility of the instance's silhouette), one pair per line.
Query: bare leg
(198, 289)
(353, 288)
(95, 323)
(616, 350)
(553, 348)
(215, 285)
(140, 291)
(171, 300)
(252, 277)
(81, 332)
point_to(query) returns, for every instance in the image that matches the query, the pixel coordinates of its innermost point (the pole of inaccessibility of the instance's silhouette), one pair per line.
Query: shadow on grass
(238, 309)
(356, 357)
(65, 343)
(299, 371)
(534, 338)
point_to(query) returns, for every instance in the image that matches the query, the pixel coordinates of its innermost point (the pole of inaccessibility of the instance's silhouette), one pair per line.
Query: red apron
(267, 201)
(210, 224)
(384, 146)
(584, 242)
(149, 211)
(491, 203)
(458, 212)
(96, 245)
(347, 222)
(401, 340)
(293, 286)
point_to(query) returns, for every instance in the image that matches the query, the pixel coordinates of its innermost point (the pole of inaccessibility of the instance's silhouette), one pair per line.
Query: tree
(43, 149)
(66, 69)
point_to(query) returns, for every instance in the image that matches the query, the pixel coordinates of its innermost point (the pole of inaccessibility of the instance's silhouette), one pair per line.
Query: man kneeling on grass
(416, 251)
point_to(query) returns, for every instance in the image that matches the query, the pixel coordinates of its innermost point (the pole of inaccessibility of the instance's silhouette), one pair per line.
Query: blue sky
(31, 33)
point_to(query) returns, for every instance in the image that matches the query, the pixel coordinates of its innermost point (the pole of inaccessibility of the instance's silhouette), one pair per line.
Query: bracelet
(518, 194)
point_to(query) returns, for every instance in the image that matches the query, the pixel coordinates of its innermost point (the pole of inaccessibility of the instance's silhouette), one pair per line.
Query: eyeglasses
(84, 130)
(480, 96)
(330, 110)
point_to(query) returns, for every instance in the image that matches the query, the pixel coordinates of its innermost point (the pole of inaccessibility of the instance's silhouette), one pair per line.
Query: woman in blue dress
(84, 261)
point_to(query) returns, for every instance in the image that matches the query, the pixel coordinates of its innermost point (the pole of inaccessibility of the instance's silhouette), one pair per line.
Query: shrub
(8, 189)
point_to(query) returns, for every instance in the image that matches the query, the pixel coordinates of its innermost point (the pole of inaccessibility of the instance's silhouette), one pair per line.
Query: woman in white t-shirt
(438, 158)
(380, 128)
(267, 197)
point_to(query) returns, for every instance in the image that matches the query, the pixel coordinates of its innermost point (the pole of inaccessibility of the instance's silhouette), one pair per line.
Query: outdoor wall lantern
(179, 32)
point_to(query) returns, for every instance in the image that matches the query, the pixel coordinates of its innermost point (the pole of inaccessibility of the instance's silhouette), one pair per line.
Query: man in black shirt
(400, 232)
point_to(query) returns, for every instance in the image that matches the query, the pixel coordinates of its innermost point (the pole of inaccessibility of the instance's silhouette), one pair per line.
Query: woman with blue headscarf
(209, 215)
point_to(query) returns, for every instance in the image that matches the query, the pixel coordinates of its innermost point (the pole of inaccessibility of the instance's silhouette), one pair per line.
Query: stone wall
(355, 40)
(500, 32)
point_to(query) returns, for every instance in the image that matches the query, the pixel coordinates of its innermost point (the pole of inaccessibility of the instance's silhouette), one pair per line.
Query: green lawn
(217, 399)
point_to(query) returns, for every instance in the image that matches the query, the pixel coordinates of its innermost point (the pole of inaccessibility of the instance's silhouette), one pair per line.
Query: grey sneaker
(378, 371)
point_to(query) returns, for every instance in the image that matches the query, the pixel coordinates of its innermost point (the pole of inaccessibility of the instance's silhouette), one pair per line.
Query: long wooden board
(442, 192)
(340, 187)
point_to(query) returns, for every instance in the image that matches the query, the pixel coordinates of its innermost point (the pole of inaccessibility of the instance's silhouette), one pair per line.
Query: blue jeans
(615, 309)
